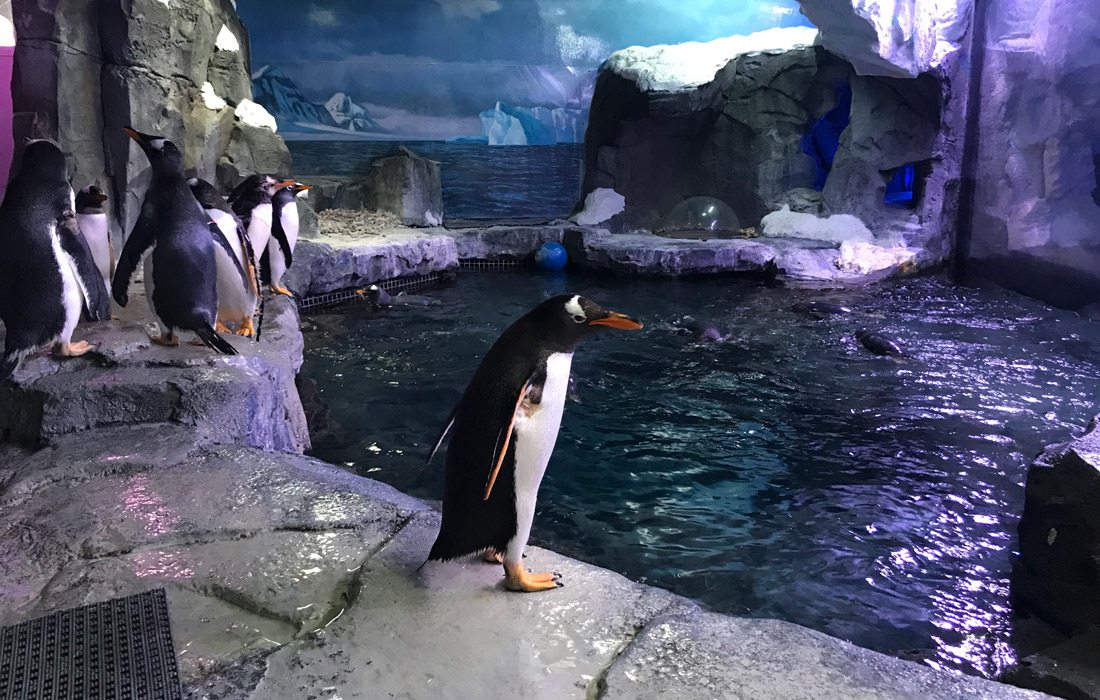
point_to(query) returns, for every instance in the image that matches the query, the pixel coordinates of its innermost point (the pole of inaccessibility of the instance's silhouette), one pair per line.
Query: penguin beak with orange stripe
(614, 319)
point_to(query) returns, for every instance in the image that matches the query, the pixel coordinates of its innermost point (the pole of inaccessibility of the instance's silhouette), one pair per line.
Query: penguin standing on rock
(47, 274)
(92, 219)
(237, 303)
(279, 254)
(182, 283)
(252, 201)
(503, 433)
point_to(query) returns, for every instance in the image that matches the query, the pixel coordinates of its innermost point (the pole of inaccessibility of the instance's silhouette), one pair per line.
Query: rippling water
(785, 473)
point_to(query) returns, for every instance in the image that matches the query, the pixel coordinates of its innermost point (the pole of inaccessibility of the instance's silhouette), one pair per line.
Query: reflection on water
(784, 473)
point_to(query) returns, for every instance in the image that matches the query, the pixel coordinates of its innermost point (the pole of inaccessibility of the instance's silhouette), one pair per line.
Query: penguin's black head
(163, 155)
(90, 198)
(207, 195)
(286, 190)
(42, 157)
(570, 317)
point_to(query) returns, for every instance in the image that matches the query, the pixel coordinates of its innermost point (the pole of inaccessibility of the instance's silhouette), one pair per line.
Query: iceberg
(508, 125)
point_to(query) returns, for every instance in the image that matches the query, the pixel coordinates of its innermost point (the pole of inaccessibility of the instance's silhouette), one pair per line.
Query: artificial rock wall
(1037, 207)
(84, 69)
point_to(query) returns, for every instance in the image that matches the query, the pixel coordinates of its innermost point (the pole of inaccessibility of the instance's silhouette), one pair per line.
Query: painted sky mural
(496, 72)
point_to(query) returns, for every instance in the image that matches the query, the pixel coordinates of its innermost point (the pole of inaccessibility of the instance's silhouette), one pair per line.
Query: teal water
(784, 473)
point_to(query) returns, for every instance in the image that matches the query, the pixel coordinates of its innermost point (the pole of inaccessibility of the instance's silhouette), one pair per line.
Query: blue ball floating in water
(551, 256)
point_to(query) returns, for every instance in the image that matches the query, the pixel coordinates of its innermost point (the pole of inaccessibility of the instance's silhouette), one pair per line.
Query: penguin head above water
(165, 156)
(568, 318)
(90, 200)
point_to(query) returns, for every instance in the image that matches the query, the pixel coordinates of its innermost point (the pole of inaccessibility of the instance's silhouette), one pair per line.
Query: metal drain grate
(398, 284)
(119, 649)
(497, 263)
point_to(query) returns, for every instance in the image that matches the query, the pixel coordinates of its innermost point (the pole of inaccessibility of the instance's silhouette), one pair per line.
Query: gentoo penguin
(503, 432)
(237, 303)
(251, 200)
(47, 274)
(279, 254)
(880, 344)
(182, 284)
(92, 219)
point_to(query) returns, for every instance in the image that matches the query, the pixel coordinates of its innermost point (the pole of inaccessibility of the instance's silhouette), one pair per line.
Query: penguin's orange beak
(299, 187)
(286, 183)
(132, 133)
(617, 320)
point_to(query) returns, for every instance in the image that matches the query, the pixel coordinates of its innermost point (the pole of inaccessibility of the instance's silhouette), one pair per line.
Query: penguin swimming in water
(252, 201)
(503, 433)
(279, 254)
(92, 219)
(237, 303)
(880, 344)
(182, 280)
(47, 273)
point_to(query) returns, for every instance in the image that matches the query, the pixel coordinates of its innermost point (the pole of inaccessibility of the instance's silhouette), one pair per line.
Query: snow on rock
(226, 40)
(862, 258)
(898, 38)
(674, 67)
(838, 228)
(211, 99)
(255, 115)
(600, 205)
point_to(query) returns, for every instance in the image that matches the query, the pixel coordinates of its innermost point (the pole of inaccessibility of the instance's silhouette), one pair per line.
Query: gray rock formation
(1058, 572)
(83, 70)
(329, 264)
(496, 242)
(407, 185)
(249, 399)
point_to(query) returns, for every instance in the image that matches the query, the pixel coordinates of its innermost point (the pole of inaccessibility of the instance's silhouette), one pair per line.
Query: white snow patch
(861, 257)
(793, 224)
(672, 67)
(432, 218)
(600, 205)
(211, 99)
(227, 40)
(255, 115)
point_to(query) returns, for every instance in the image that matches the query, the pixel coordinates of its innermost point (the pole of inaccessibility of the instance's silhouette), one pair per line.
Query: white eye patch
(573, 308)
(157, 144)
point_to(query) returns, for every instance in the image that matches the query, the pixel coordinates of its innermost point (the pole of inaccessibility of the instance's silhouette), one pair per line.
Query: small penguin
(279, 254)
(880, 344)
(251, 200)
(237, 303)
(503, 433)
(92, 219)
(47, 272)
(820, 307)
(182, 280)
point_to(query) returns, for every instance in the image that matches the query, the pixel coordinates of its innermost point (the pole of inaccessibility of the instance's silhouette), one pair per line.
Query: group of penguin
(199, 251)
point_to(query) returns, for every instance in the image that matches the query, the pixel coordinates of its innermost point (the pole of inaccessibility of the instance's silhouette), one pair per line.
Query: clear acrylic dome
(700, 217)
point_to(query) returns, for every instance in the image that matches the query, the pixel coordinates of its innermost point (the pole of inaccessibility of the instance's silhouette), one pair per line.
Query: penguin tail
(214, 341)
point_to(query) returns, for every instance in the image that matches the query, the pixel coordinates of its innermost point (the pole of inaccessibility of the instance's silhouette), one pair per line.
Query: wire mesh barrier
(405, 284)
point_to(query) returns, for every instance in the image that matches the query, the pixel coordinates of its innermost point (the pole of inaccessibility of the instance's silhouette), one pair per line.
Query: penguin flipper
(279, 235)
(140, 240)
(97, 305)
(443, 433)
(214, 341)
(502, 449)
(249, 255)
(219, 238)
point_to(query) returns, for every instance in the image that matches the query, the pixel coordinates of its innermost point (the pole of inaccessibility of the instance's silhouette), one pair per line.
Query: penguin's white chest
(537, 428)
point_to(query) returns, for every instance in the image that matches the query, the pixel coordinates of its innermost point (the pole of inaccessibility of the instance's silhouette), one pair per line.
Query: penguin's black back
(30, 280)
(184, 276)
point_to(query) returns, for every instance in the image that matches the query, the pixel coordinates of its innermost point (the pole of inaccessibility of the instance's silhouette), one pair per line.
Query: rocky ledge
(289, 578)
(248, 399)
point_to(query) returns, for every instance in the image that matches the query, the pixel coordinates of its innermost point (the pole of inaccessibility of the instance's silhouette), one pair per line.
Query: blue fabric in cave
(823, 138)
(899, 191)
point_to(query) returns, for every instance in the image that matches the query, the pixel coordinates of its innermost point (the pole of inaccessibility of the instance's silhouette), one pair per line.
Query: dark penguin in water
(503, 432)
(880, 344)
(91, 216)
(237, 301)
(279, 253)
(47, 273)
(182, 283)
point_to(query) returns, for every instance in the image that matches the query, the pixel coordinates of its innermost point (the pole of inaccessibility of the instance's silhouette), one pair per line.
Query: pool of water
(783, 473)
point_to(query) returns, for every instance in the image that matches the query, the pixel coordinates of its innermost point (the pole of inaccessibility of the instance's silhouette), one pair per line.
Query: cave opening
(905, 184)
(823, 137)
